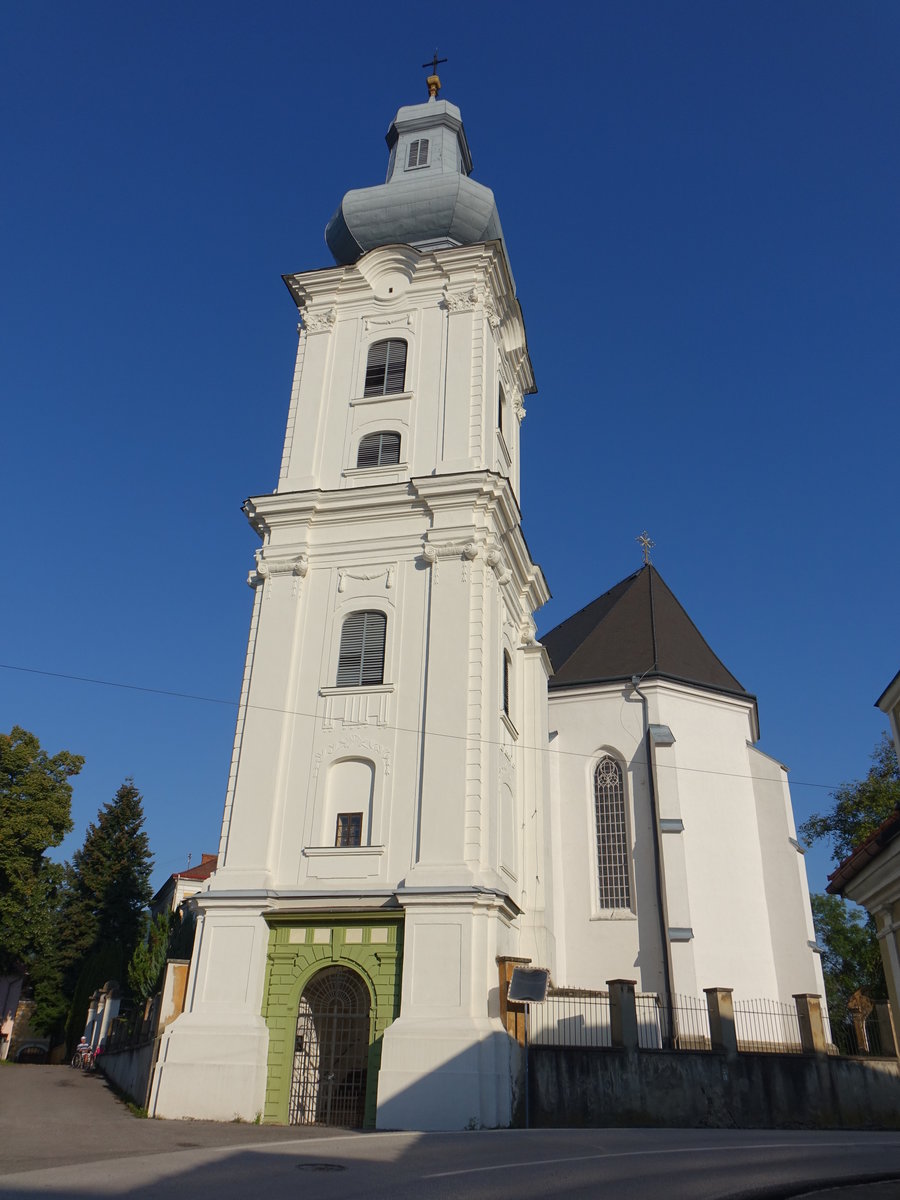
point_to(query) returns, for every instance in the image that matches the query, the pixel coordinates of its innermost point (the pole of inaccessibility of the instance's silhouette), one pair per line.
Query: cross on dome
(433, 80)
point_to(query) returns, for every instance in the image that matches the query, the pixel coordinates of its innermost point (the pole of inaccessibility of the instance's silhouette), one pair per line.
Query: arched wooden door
(331, 1050)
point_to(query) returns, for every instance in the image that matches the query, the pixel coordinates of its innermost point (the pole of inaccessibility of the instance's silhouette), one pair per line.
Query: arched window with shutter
(361, 658)
(380, 449)
(612, 835)
(385, 368)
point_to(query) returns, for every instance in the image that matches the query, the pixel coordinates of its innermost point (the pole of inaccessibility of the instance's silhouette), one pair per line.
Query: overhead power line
(293, 712)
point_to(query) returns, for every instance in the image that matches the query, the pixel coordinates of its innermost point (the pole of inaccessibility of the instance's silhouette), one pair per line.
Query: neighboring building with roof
(419, 787)
(870, 876)
(889, 703)
(183, 884)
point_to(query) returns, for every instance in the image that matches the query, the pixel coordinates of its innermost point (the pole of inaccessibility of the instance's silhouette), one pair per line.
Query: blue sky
(701, 207)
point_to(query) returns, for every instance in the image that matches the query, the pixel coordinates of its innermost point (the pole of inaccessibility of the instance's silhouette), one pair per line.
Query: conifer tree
(111, 874)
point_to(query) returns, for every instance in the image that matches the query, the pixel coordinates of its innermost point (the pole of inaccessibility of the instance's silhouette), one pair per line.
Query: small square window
(349, 829)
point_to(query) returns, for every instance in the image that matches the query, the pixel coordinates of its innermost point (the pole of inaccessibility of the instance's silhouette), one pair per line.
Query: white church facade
(419, 785)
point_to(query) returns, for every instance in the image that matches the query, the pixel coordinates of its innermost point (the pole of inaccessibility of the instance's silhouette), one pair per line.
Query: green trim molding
(300, 944)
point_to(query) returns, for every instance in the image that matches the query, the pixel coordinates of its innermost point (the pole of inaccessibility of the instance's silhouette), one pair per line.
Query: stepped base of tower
(210, 1070)
(437, 1074)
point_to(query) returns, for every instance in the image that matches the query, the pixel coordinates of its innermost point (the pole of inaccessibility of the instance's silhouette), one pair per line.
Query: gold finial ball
(434, 85)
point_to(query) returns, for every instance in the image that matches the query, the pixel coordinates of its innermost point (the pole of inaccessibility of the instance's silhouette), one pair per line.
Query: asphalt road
(63, 1134)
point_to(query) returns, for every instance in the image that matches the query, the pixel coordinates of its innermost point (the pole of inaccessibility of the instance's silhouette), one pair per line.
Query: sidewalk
(57, 1116)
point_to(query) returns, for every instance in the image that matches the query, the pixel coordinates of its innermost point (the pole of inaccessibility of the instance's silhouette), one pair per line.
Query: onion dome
(428, 200)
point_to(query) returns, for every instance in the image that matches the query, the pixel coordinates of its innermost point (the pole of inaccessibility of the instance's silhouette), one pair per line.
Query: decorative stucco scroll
(493, 556)
(398, 320)
(353, 743)
(386, 572)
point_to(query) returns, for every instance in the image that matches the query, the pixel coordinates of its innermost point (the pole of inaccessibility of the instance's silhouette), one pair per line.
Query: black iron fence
(581, 1017)
(767, 1027)
(867, 1037)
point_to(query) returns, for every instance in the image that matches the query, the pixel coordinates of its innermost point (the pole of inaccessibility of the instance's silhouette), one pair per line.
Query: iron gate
(331, 1051)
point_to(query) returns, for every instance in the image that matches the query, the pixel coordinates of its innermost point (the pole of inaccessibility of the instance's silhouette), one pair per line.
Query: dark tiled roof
(863, 854)
(636, 628)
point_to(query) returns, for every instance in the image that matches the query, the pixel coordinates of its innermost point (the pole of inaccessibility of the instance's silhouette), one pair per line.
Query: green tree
(102, 910)
(858, 807)
(851, 957)
(35, 814)
(111, 874)
(145, 971)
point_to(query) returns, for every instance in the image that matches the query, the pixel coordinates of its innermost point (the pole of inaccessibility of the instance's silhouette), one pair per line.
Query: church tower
(384, 832)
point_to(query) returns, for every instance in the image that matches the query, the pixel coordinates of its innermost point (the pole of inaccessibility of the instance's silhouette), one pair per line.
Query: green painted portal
(300, 946)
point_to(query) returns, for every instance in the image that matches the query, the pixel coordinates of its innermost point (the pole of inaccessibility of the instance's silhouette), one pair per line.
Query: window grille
(418, 153)
(379, 450)
(385, 368)
(361, 658)
(612, 835)
(506, 669)
(349, 829)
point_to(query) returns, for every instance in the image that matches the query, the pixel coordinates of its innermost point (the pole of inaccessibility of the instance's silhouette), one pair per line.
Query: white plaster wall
(732, 877)
(797, 965)
(597, 945)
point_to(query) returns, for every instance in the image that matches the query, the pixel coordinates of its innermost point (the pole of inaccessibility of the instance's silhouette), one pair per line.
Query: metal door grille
(331, 1051)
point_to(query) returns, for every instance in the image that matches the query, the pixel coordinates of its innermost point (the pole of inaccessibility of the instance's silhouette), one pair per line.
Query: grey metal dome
(428, 200)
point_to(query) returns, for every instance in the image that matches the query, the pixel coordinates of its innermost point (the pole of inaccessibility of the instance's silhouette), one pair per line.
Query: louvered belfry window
(385, 368)
(379, 449)
(612, 835)
(361, 659)
(418, 153)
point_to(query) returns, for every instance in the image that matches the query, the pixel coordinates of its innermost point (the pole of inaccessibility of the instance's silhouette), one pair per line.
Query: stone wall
(594, 1087)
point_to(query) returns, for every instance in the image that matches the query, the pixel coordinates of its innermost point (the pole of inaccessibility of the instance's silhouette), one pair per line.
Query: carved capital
(462, 301)
(271, 567)
(319, 320)
(432, 552)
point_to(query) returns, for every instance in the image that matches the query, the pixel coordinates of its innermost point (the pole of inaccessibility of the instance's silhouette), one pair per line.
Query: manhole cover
(321, 1167)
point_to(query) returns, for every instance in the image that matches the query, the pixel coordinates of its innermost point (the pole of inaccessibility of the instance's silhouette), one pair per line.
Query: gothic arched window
(612, 835)
(361, 658)
(385, 368)
(379, 450)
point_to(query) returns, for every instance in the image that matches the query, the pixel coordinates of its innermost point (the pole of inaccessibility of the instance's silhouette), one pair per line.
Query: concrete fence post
(886, 1028)
(812, 1026)
(623, 1014)
(513, 1017)
(720, 1007)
